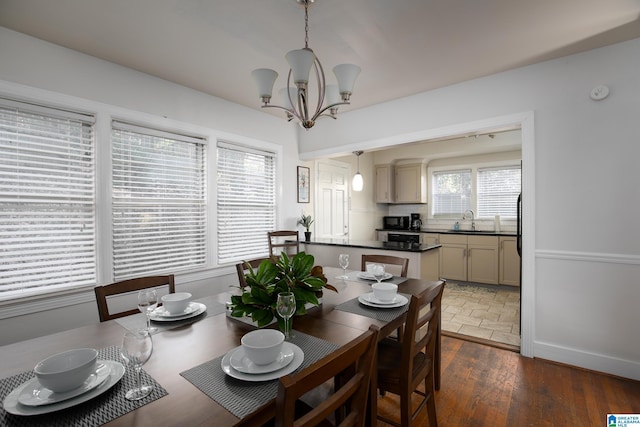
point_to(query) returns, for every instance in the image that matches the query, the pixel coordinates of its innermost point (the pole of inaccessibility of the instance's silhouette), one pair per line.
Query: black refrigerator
(519, 247)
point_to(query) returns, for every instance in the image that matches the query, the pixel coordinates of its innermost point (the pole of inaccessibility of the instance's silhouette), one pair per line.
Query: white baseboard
(592, 361)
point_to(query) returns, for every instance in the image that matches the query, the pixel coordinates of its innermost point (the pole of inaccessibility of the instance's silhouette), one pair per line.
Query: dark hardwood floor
(488, 386)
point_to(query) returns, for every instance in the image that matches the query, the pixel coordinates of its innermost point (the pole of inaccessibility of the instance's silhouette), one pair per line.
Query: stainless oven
(403, 237)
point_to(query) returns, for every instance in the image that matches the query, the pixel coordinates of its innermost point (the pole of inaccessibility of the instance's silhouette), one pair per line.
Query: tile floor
(482, 311)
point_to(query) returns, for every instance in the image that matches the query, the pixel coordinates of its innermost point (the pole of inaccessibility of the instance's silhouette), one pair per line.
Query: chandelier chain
(306, 24)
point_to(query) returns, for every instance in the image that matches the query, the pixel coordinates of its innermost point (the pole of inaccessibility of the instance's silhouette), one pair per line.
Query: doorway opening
(489, 313)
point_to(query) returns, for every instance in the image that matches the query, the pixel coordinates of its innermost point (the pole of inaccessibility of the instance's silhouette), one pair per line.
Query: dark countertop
(373, 244)
(467, 232)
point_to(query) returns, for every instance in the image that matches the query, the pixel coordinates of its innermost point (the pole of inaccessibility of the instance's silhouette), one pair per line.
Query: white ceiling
(403, 46)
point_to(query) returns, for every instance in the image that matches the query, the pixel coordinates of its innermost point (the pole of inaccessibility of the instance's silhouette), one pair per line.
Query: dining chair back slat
(386, 260)
(126, 286)
(350, 367)
(283, 241)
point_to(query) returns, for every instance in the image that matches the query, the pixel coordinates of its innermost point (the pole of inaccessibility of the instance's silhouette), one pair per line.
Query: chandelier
(296, 99)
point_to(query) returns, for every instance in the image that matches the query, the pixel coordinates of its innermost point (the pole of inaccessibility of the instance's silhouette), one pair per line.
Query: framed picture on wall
(303, 184)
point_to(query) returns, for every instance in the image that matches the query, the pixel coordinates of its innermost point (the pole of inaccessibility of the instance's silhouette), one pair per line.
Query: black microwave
(395, 222)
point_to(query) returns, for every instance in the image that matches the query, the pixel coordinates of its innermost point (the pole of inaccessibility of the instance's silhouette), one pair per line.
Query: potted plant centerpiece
(306, 221)
(284, 274)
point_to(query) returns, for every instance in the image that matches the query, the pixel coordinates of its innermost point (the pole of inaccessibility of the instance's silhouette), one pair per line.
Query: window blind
(498, 190)
(47, 199)
(246, 202)
(158, 200)
(451, 193)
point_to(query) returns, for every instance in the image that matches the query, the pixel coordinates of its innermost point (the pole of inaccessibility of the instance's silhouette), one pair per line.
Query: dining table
(190, 387)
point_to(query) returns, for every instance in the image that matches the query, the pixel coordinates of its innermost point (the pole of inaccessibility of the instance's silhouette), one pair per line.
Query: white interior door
(332, 211)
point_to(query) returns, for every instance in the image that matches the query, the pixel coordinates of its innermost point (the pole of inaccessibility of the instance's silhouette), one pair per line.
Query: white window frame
(182, 245)
(474, 167)
(58, 172)
(510, 201)
(104, 114)
(250, 233)
(456, 171)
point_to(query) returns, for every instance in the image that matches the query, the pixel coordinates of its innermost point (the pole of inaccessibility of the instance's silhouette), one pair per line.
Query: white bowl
(384, 291)
(68, 370)
(176, 303)
(263, 345)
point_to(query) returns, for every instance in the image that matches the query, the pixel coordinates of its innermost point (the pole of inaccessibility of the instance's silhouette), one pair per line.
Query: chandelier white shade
(358, 183)
(297, 100)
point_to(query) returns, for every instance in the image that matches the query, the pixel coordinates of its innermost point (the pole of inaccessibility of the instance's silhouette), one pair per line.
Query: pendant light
(357, 182)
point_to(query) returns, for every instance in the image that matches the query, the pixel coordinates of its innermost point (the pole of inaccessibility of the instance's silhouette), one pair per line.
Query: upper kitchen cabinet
(384, 184)
(411, 183)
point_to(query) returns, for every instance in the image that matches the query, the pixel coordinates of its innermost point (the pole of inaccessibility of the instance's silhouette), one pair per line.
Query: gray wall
(581, 262)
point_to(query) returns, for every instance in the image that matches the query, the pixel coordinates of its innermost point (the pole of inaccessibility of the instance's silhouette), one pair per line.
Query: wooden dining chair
(403, 365)
(386, 260)
(125, 286)
(350, 367)
(283, 241)
(242, 267)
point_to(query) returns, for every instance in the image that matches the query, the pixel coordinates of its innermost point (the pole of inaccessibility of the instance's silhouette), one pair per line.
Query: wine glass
(286, 308)
(147, 302)
(343, 260)
(378, 272)
(136, 350)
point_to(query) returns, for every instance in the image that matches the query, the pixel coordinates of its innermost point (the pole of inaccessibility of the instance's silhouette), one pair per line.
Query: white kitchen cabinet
(382, 236)
(469, 258)
(483, 259)
(411, 183)
(384, 184)
(453, 256)
(509, 261)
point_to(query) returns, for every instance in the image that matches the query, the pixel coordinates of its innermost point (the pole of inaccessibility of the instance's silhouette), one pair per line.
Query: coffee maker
(416, 222)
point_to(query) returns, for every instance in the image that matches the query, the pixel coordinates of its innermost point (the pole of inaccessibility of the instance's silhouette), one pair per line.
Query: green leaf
(304, 296)
(261, 295)
(262, 317)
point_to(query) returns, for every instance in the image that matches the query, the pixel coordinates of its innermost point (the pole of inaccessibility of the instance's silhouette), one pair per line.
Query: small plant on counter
(305, 221)
(296, 274)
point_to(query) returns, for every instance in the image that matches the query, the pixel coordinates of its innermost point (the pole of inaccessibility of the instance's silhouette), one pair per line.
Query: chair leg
(405, 409)
(431, 401)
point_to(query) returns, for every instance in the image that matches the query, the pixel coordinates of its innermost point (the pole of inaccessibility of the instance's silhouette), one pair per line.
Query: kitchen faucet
(473, 223)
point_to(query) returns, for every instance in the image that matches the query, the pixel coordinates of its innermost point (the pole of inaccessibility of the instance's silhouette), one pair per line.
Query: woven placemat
(95, 412)
(139, 321)
(241, 398)
(384, 314)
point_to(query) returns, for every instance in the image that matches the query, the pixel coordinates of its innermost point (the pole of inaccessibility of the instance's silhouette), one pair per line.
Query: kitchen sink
(470, 231)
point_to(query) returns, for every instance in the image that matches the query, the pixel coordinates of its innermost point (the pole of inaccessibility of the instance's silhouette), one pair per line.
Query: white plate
(365, 299)
(240, 362)
(12, 406)
(200, 309)
(35, 394)
(298, 358)
(369, 276)
(371, 297)
(162, 312)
